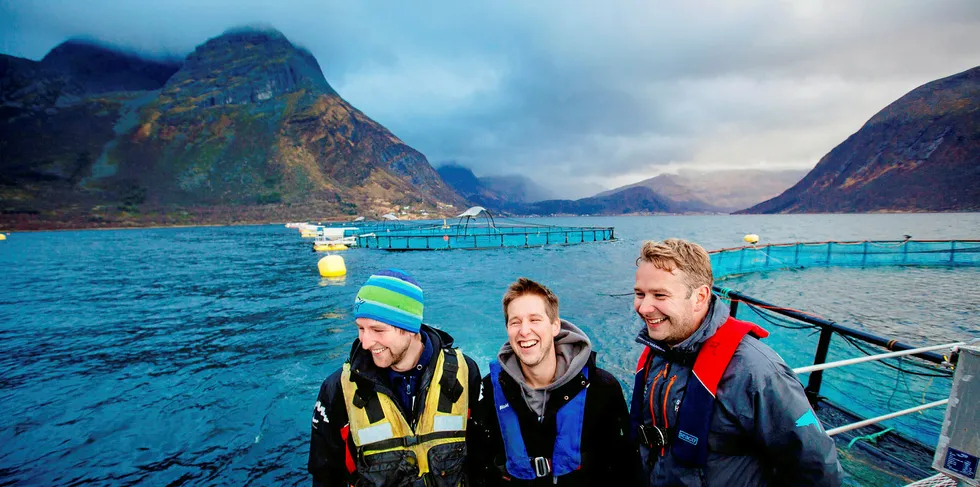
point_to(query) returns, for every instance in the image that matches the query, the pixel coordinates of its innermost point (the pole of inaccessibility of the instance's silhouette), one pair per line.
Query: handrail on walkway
(827, 329)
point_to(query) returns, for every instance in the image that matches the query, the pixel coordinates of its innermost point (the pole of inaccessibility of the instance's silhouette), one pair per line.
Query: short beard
(544, 355)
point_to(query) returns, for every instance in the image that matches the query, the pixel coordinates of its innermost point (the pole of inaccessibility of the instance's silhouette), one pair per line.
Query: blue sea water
(193, 356)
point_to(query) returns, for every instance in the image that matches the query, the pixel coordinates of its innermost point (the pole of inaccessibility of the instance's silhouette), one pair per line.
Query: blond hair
(675, 253)
(525, 286)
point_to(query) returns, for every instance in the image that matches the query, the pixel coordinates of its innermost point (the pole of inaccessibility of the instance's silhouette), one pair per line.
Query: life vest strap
(367, 398)
(407, 441)
(450, 387)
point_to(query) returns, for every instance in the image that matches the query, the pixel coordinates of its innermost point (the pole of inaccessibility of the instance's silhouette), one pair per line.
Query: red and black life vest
(689, 440)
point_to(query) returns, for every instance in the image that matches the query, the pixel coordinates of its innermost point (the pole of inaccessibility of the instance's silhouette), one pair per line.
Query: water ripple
(192, 356)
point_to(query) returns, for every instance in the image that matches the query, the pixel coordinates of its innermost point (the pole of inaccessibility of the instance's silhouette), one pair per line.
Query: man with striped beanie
(398, 411)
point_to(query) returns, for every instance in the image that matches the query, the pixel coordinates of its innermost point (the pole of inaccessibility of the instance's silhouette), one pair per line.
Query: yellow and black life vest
(389, 452)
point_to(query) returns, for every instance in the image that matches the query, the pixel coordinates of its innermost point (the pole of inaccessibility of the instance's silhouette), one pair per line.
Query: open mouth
(378, 351)
(525, 344)
(656, 321)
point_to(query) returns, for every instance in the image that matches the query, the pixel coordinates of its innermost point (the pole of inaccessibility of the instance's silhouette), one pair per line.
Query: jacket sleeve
(327, 461)
(617, 455)
(491, 442)
(475, 429)
(784, 424)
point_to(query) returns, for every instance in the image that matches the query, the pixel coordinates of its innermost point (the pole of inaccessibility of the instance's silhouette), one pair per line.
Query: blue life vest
(567, 456)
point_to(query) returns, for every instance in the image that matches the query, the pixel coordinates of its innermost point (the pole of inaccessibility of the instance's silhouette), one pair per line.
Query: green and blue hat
(393, 297)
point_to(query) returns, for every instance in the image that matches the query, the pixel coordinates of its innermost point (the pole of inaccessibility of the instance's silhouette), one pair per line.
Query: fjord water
(193, 356)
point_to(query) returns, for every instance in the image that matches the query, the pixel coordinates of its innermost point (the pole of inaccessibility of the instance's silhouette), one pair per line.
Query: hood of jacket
(572, 350)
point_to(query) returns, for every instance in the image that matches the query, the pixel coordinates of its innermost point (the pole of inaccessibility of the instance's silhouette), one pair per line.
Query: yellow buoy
(751, 238)
(3, 237)
(328, 247)
(332, 266)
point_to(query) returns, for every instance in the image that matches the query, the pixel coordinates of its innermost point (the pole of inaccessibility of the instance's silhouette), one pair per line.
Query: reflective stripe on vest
(689, 443)
(567, 455)
(443, 417)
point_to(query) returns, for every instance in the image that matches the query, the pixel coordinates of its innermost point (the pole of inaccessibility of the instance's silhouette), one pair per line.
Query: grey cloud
(576, 93)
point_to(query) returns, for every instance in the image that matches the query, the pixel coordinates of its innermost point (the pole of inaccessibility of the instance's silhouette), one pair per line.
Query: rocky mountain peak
(917, 154)
(245, 65)
(97, 68)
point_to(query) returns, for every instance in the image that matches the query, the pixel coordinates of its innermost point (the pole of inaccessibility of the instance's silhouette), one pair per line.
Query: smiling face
(529, 330)
(671, 310)
(388, 345)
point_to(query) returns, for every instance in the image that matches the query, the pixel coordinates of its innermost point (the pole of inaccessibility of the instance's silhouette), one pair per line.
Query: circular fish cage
(759, 258)
(478, 229)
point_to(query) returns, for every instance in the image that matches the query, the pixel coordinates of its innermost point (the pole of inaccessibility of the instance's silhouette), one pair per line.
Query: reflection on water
(193, 355)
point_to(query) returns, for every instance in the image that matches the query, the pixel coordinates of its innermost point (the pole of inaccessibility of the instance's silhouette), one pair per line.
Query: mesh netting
(756, 258)
(938, 480)
(469, 236)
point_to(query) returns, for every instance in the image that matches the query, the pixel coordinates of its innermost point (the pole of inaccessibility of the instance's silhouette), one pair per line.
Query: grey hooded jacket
(763, 431)
(572, 351)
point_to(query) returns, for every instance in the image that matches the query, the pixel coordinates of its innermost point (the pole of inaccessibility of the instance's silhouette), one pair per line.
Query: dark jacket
(762, 428)
(327, 447)
(608, 458)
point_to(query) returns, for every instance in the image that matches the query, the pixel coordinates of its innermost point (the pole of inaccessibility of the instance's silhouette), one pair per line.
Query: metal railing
(827, 330)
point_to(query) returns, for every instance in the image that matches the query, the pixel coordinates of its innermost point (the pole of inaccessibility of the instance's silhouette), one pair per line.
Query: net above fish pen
(478, 229)
(758, 258)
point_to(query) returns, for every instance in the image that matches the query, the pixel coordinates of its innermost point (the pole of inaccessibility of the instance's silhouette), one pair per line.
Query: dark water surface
(192, 356)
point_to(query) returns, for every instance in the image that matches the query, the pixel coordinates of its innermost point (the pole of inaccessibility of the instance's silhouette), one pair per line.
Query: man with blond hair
(712, 404)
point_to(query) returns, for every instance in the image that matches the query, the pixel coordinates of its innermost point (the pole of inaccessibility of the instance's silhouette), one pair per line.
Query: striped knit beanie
(391, 296)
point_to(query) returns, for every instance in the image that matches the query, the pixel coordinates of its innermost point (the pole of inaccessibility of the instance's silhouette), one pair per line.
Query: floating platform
(476, 229)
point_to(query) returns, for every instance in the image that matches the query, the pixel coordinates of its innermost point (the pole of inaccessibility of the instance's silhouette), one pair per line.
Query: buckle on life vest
(542, 467)
(652, 436)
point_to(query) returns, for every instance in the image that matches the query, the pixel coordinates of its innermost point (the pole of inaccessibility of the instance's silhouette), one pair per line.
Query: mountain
(500, 193)
(919, 153)
(719, 191)
(464, 182)
(516, 187)
(637, 199)
(245, 129)
(632, 200)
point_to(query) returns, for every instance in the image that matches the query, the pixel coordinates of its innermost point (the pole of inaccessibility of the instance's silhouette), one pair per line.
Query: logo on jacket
(684, 435)
(807, 419)
(318, 408)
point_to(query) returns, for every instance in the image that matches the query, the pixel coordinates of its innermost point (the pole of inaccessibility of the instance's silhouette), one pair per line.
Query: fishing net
(756, 258)
(938, 480)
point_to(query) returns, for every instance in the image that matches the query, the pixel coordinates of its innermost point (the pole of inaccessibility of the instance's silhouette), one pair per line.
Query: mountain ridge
(919, 153)
(247, 124)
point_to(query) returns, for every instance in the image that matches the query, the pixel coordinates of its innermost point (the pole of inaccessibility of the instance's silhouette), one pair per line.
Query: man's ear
(555, 327)
(703, 294)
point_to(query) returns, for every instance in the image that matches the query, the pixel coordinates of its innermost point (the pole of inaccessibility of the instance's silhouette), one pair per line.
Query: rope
(873, 437)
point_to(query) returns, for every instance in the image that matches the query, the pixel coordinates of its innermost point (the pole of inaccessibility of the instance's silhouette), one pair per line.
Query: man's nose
(525, 328)
(646, 306)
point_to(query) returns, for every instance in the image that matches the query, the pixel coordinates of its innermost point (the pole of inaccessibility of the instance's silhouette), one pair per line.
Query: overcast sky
(577, 95)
